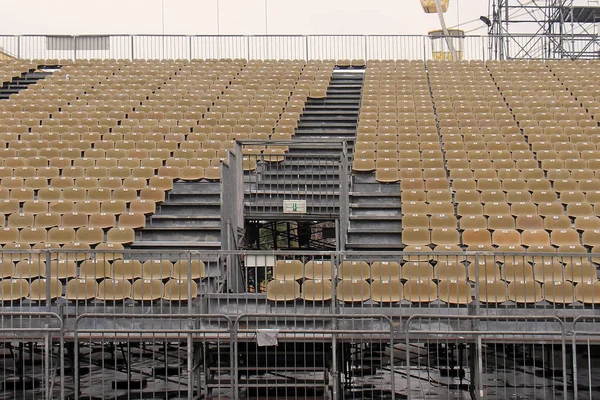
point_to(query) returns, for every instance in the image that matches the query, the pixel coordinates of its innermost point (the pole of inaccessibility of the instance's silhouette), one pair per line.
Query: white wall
(236, 16)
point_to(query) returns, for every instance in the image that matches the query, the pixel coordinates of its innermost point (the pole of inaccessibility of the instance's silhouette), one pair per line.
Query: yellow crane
(440, 7)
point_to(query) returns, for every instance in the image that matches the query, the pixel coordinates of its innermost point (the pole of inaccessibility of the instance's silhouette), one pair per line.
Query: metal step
(176, 245)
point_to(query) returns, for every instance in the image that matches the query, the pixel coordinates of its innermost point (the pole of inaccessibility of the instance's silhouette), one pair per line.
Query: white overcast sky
(235, 16)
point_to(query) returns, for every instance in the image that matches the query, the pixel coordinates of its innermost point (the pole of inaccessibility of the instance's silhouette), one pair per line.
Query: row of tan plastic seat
(89, 289)
(447, 268)
(63, 182)
(468, 174)
(483, 180)
(45, 165)
(23, 265)
(73, 220)
(163, 150)
(18, 124)
(511, 192)
(463, 209)
(501, 237)
(498, 221)
(113, 207)
(427, 291)
(124, 139)
(61, 235)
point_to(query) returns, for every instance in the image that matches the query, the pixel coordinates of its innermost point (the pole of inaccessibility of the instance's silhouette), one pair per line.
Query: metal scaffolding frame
(560, 28)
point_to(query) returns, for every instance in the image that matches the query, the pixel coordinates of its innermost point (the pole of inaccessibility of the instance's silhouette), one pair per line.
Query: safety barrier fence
(74, 282)
(116, 356)
(289, 171)
(303, 47)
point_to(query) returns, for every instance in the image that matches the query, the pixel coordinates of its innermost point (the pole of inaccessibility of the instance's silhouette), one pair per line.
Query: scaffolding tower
(544, 29)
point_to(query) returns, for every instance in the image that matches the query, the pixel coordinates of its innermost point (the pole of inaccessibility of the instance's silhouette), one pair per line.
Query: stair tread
(172, 216)
(374, 230)
(375, 217)
(374, 194)
(165, 243)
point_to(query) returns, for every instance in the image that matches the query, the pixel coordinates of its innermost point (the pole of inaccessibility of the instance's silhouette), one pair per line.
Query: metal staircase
(189, 218)
(317, 165)
(22, 82)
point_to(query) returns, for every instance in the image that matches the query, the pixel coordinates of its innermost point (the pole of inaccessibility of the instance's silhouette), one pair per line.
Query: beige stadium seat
(417, 271)
(491, 291)
(424, 291)
(147, 290)
(102, 220)
(282, 290)
(142, 206)
(476, 237)
(559, 292)
(40, 288)
(353, 291)
(386, 271)
(120, 235)
(555, 222)
(413, 221)
(317, 290)
(9, 235)
(535, 238)
(445, 236)
(90, 235)
(288, 270)
(318, 269)
(95, 269)
(156, 269)
(27, 269)
(506, 237)
(13, 289)
(416, 236)
(132, 220)
(565, 237)
(182, 269)
(387, 291)
(114, 290)
(181, 290)
(517, 270)
(442, 221)
(525, 291)
(387, 175)
(353, 270)
(454, 292)
(588, 292)
(81, 289)
(580, 271)
(126, 269)
(450, 269)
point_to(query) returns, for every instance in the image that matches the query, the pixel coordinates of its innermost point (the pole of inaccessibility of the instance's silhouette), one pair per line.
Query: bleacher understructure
(143, 254)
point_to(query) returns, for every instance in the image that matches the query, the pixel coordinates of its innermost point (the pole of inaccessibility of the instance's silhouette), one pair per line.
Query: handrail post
(132, 48)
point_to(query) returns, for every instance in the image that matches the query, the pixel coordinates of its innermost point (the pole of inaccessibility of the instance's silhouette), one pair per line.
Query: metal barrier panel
(138, 356)
(205, 47)
(31, 359)
(75, 282)
(383, 47)
(449, 357)
(305, 356)
(368, 47)
(585, 352)
(337, 47)
(292, 171)
(278, 47)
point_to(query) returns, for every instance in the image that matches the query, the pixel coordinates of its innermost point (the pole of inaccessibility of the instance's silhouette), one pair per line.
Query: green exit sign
(294, 206)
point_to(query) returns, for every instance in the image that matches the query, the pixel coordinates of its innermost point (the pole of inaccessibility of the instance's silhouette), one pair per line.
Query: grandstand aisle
(397, 141)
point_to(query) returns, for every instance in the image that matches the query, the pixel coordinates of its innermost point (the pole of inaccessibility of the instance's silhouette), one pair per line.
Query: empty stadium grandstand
(317, 217)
